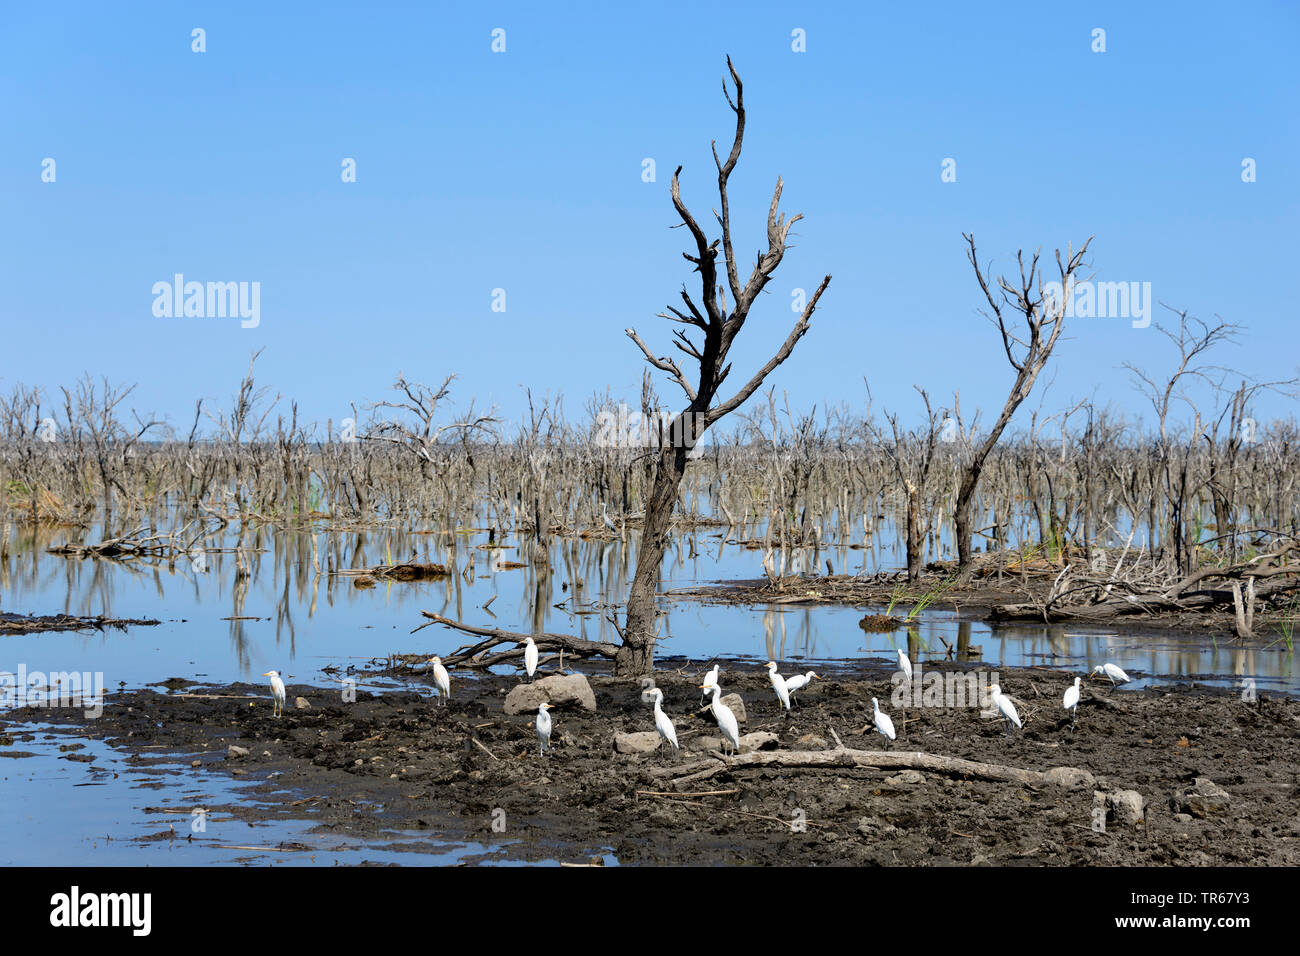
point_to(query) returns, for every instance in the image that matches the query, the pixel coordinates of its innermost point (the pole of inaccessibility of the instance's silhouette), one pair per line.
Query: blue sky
(522, 171)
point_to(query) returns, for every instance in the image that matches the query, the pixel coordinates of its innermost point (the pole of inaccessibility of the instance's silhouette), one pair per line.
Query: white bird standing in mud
(905, 665)
(799, 681)
(726, 719)
(1008, 710)
(778, 685)
(543, 728)
(1071, 701)
(663, 723)
(884, 724)
(530, 657)
(441, 679)
(710, 681)
(277, 691)
(1112, 671)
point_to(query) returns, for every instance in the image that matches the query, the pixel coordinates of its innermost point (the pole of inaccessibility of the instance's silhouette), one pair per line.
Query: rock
(1128, 806)
(1182, 818)
(557, 689)
(737, 706)
(875, 826)
(196, 763)
(1069, 777)
(1203, 799)
(301, 703)
(759, 740)
(235, 751)
(641, 742)
(907, 777)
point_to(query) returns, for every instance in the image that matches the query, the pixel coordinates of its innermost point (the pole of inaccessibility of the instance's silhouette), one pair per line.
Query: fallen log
(697, 770)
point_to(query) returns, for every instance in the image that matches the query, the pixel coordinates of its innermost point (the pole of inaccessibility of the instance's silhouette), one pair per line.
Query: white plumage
(884, 724)
(778, 685)
(543, 729)
(1071, 700)
(663, 723)
(905, 664)
(799, 681)
(710, 681)
(277, 691)
(441, 679)
(1008, 710)
(1112, 671)
(530, 656)
(726, 719)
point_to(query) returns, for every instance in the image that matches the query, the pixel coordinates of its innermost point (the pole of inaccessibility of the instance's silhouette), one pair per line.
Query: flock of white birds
(783, 687)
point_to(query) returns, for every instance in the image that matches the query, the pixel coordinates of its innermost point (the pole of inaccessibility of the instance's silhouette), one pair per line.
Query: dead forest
(1109, 514)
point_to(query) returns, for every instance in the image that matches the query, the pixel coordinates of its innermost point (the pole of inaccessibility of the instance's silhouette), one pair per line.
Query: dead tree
(720, 327)
(1044, 319)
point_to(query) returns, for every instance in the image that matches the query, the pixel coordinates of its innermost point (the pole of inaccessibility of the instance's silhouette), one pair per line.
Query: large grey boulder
(557, 689)
(641, 742)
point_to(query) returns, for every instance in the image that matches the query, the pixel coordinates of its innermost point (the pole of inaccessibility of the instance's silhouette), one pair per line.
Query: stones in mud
(301, 703)
(758, 740)
(1203, 799)
(234, 752)
(641, 742)
(906, 777)
(557, 689)
(875, 826)
(1069, 777)
(1123, 806)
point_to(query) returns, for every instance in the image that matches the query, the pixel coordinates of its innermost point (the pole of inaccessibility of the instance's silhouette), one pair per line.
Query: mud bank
(1218, 775)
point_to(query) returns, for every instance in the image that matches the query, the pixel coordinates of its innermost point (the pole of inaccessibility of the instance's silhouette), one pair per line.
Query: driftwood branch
(842, 756)
(473, 655)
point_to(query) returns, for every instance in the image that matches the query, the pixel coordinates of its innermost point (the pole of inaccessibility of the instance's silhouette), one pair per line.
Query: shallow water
(299, 618)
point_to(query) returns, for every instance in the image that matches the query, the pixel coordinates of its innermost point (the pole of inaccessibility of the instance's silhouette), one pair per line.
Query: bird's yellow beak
(266, 674)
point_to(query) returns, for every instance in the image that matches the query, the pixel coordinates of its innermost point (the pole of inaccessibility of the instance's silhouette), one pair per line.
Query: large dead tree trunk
(1044, 319)
(720, 328)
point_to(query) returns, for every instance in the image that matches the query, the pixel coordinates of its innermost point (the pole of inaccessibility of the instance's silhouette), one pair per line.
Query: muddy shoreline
(1218, 774)
(982, 600)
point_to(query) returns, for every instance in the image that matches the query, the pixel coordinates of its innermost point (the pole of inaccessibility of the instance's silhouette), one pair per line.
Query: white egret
(663, 723)
(1071, 701)
(441, 679)
(778, 685)
(277, 691)
(905, 664)
(530, 656)
(1006, 708)
(726, 719)
(799, 681)
(543, 728)
(1111, 671)
(883, 722)
(710, 681)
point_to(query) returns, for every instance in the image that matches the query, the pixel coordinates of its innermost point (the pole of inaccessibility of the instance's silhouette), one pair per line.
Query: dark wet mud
(1217, 774)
